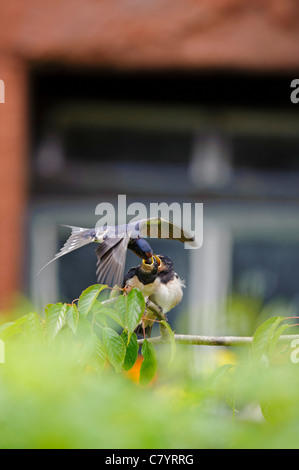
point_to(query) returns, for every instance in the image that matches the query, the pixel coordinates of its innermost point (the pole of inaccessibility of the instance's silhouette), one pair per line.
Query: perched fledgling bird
(159, 283)
(115, 240)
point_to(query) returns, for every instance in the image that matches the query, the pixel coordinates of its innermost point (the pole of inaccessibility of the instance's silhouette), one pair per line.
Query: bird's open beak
(151, 265)
(149, 262)
(160, 263)
(158, 260)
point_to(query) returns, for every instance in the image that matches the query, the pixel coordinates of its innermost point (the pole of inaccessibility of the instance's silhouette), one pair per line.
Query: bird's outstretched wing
(111, 254)
(157, 227)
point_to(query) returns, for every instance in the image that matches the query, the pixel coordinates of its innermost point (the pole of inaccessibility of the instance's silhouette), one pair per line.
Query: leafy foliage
(266, 337)
(88, 323)
(70, 381)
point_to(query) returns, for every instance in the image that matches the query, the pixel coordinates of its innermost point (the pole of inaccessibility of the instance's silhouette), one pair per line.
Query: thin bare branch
(213, 340)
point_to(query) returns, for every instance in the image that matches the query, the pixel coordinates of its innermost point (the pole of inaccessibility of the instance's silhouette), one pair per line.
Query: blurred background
(185, 101)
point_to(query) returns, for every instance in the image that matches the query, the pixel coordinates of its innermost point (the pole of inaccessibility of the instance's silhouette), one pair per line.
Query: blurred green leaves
(66, 384)
(263, 336)
(88, 324)
(115, 348)
(55, 319)
(266, 337)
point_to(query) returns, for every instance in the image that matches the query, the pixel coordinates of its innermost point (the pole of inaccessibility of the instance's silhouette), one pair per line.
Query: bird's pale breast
(168, 295)
(146, 289)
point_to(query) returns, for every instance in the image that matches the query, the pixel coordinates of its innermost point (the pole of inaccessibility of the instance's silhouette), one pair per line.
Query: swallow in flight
(115, 240)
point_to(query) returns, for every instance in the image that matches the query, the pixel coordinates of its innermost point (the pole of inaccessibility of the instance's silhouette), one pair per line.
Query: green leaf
(55, 319)
(33, 326)
(88, 298)
(263, 336)
(149, 364)
(99, 319)
(135, 309)
(131, 351)
(121, 309)
(115, 292)
(84, 329)
(9, 329)
(30, 324)
(110, 312)
(95, 351)
(275, 338)
(115, 348)
(21, 321)
(72, 317)
(172, 340)
(129, 309)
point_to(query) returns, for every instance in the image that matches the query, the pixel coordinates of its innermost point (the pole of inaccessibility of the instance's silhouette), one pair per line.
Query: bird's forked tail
(79, 237)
